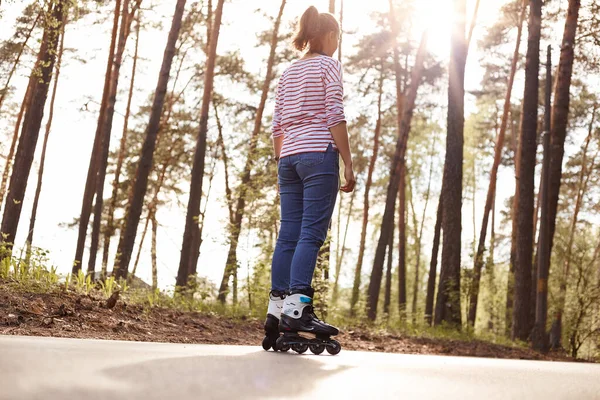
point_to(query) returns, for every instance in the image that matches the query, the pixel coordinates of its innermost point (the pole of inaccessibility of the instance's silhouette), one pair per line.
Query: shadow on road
(257, 375)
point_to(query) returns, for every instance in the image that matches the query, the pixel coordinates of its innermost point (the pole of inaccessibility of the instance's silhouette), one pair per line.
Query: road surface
(50, 368)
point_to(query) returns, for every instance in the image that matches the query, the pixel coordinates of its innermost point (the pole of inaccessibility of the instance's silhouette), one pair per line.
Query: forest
(131, 128)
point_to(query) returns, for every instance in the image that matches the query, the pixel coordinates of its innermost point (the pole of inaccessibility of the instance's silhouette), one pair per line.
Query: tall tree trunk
(110, 223)
(153, 252)
(402, 245)
(479, 260)
(419, 238)
(338, 239)
(582, 184)
(473, 23)
(539, 338)
(492, 323)
(90, 183)
(153, 204)
(191, 240)
(433, 265)
(4, 91)
(32, 121)
(448, 298)
(38, 188)
(338, 261)
(221, 144)
(405, 113)
(560, 116)
(510, 284)
(387, 295)
(369, 182)
(140, 248)
(15, 138)
(522, 323)
(144, 166)
(125, 29)
(332, 6)
(236, 228)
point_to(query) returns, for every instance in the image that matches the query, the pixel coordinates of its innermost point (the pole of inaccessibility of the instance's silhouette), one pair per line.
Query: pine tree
(479, 261)
(33, 119)
(236, 227)
(90, 183)
(404, 115)
(522, 324)
(448, 297)
(134, 210)
(38, 188)
(560, 117)
(191, 238)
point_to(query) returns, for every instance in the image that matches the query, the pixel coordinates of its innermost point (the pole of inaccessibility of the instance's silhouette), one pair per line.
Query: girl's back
(309, 102)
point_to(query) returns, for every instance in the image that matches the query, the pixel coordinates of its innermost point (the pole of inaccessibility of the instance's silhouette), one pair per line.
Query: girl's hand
(350, 180)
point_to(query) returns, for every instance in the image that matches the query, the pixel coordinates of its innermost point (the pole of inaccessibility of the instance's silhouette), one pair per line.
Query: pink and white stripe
(309, 101)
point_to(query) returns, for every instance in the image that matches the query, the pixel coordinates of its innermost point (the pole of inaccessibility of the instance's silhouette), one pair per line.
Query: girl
(309, 134)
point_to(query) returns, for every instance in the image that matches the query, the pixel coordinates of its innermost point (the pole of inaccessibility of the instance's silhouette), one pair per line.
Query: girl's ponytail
(311, 29)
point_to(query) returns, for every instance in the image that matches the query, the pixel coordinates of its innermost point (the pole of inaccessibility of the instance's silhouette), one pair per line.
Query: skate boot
(301, 328)
(272, 321)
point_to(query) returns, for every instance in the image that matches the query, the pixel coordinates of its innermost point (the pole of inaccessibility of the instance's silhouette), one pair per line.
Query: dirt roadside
(73, 315)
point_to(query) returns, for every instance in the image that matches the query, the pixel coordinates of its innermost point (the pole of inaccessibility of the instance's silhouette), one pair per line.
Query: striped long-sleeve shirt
(309, 101)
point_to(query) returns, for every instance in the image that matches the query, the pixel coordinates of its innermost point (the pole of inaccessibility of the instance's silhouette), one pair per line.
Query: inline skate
(272, 321)
(301, 328)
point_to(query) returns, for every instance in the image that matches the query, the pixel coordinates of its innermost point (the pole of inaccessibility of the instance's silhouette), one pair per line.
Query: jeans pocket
(311, 159)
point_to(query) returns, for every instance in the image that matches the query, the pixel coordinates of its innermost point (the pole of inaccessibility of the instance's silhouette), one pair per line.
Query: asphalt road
(50, 368)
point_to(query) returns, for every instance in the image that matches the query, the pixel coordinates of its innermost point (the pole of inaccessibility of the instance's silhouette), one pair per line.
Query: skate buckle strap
(304, 299)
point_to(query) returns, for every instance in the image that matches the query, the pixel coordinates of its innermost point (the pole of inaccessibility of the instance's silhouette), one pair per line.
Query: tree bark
(332, 6)
(191, 240)
(405, 113)
(387, 296)
(522, 324)
(510, 285)
(236, 228)
(473, 23)
(448, 297)
(144, 166)
(419, 237)
(140, 247)
(560, 117)
(125, 29)
(539, 337)
(433, 265)
(90, 183)
(15, 138)
(110, 223)
(4, 92)
(402, 245)
(153, 252)
(479, 260)
(369, 182)
(32, 122)
(338, 261)
(38, 188)
(582, 184)
(221, 144)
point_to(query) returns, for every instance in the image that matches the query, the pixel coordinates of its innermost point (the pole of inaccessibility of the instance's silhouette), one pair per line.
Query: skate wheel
(334, 347)
(278, 346)
(267, 343)
(300, 348)
(284, 348)
(317, 348)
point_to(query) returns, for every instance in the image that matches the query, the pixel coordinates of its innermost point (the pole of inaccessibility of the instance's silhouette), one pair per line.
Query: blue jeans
(308, 187)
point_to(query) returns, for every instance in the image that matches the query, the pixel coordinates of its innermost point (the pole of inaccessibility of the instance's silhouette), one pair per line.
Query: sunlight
(434, 15)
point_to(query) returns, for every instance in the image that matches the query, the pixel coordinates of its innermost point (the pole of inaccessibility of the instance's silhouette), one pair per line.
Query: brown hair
(312, 28)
